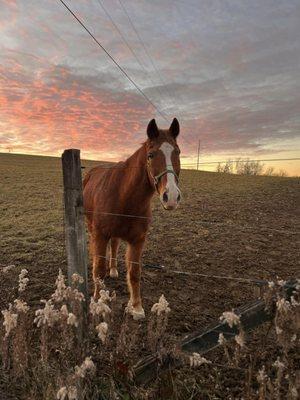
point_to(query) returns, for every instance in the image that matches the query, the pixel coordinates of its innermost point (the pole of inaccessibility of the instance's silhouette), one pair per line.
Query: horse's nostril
(178, 198)
(165, 197)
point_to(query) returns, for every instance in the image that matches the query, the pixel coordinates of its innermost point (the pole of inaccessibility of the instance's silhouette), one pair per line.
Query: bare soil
(227, 225)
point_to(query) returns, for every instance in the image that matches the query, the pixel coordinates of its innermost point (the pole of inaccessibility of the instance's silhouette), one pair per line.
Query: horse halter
(157, 178)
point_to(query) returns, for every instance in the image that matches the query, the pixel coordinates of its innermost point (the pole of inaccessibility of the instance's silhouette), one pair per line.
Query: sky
(227, 69)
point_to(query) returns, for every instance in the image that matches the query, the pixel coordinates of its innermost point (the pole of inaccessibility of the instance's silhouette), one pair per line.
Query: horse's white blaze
(171, 186)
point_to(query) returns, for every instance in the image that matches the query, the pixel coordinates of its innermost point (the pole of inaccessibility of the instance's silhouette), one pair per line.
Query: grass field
(230, 225)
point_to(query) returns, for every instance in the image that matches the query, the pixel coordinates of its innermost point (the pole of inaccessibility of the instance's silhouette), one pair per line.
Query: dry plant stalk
(16, 326)
(64, 371)
(232, 319)
(157, 325)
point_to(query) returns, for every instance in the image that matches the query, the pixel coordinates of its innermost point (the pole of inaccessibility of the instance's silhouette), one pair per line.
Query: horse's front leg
(113, 262)
(133, 264)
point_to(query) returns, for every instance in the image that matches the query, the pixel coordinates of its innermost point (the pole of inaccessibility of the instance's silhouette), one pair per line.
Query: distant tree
(272, 172)
(282, 173)
(248, 167)
(269, 171)
(226, 167)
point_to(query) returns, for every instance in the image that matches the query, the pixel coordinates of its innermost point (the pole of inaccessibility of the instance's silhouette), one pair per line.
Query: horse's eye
(177, 151)
(150, 155)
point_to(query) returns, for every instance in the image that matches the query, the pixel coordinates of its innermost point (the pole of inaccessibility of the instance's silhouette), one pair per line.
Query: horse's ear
(152, 129)
(174, 128)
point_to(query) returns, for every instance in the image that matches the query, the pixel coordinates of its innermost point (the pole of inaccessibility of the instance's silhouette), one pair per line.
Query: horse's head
(163, 162)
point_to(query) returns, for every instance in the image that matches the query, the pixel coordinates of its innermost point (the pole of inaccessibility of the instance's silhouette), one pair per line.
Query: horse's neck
(137, 186)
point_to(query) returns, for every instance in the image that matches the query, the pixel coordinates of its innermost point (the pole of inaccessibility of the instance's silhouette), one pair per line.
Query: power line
(114, 165)
(128, 46)
(144, 47)
(112, 59)
(242, 160)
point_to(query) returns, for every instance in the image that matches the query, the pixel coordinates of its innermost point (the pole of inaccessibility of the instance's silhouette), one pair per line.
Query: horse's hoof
(136, 312)
(113, 273)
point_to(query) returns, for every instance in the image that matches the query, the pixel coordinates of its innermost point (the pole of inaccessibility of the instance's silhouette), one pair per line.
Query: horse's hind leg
(133, 264)
(113, 262)
(98, 247)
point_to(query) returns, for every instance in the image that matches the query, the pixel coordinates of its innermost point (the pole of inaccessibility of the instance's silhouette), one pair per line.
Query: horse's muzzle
(169, 200)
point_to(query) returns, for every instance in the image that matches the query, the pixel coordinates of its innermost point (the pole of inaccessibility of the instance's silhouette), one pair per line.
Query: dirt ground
(228, 225)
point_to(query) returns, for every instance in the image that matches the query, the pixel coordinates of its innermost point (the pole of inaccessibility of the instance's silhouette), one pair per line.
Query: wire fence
(254, 281)
(203, 222)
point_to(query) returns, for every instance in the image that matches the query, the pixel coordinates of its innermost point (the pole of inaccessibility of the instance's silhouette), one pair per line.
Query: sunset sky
(229, 70)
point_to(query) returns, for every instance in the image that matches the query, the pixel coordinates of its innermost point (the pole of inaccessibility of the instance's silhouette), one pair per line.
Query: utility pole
(198, 155)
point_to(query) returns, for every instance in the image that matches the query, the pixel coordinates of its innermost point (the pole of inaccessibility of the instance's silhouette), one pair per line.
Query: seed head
(62, 393)
(99, 308)
(8, 268)
(278, 364)
(76, 278)
(221, 339)
(196, 360)
(60, 293)
(231, 318)
(23, 280)
(64, 310)
(21, 306)
(72, 320)
(72, 393)
(86, 366)
(10, 320)
(262, 376)
(240, 339)
(283, 305)
(102, 330)
(47, 315)
(161, 307)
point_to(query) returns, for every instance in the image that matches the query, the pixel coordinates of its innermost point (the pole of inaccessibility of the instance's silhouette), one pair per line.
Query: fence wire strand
(251, 281)
(203, 222)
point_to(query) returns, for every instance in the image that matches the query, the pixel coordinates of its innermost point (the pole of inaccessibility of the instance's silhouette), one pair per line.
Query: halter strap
(158, 177)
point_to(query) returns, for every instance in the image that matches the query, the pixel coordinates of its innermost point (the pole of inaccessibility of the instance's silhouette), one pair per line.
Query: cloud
(58, 107)
(228, 71)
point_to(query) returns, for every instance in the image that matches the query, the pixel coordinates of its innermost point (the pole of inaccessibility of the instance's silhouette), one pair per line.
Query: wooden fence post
(74, 219)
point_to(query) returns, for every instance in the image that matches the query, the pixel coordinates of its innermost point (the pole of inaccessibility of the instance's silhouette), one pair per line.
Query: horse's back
(92, 176)
(101, 186)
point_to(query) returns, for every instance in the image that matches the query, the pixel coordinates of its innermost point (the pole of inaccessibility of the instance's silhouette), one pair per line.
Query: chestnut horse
(117, 204)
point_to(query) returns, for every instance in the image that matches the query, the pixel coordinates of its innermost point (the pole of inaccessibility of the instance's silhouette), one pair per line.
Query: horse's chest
(125, 228)
(130, 228)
